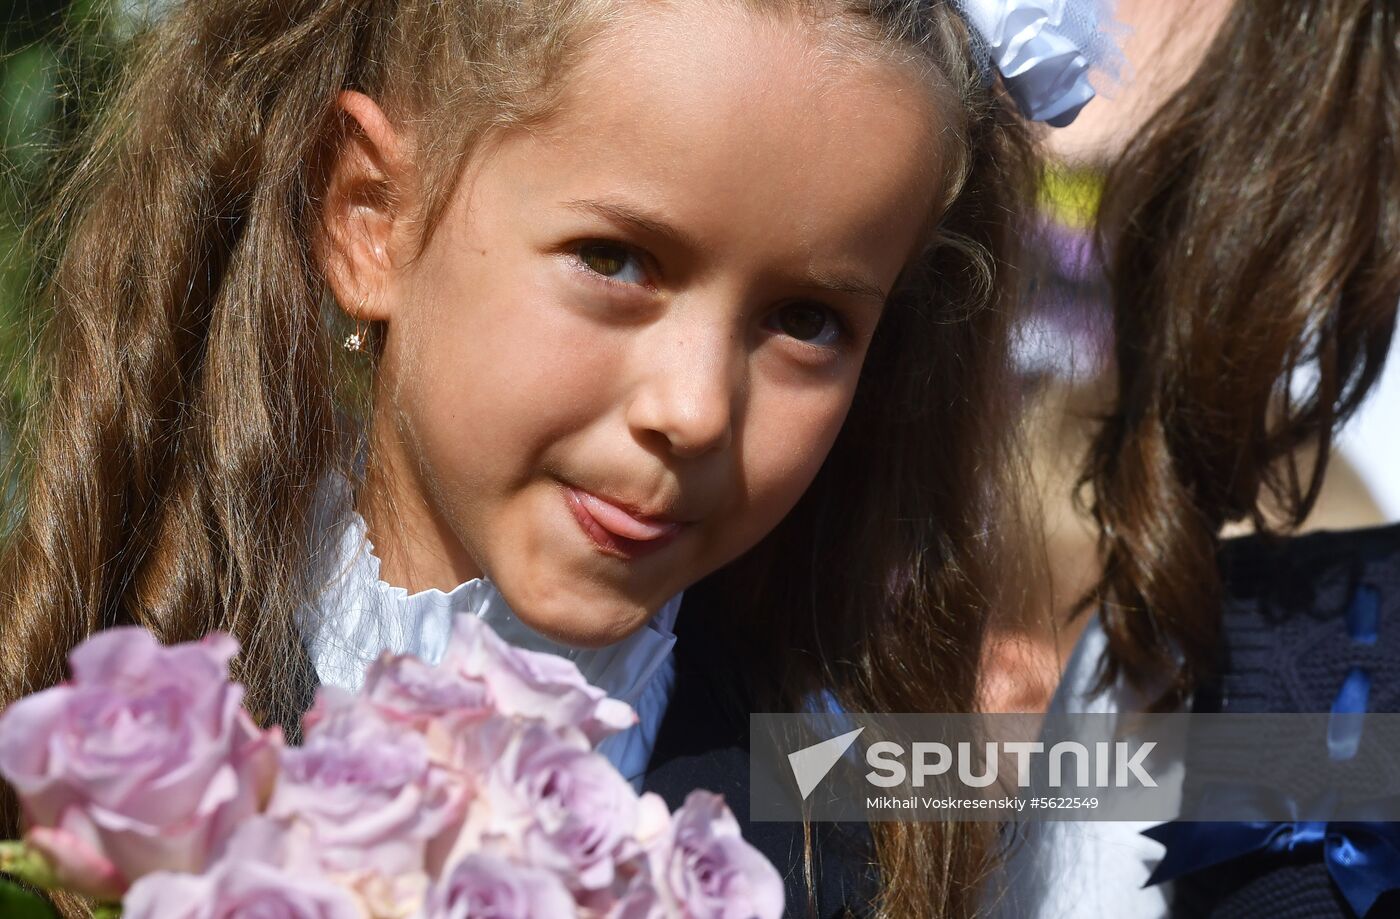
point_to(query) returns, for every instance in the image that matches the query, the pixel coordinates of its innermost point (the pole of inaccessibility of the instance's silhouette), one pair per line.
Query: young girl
(1252, 231)
(641, 302)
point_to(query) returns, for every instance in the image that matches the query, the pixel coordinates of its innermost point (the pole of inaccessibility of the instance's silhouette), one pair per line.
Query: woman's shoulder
(1300, 613)
(1278, 591)
(1307, 625)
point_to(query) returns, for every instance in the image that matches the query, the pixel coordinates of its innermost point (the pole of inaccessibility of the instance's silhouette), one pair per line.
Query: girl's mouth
(615, 531)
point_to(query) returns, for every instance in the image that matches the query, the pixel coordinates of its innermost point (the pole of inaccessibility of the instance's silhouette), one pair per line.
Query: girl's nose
(687, 395)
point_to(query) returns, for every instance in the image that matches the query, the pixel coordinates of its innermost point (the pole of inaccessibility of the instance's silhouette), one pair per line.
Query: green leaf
(29, 866)
(18, 903)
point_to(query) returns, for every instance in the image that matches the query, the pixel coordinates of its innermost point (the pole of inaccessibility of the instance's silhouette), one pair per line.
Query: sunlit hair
(1252, 228)
(190, 392)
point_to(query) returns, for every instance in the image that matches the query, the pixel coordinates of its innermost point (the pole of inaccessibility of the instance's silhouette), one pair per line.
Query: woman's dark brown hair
(1251, 229)
(190, 392)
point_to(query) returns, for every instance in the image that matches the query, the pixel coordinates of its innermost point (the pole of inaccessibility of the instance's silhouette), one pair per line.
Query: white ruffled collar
(358, 615)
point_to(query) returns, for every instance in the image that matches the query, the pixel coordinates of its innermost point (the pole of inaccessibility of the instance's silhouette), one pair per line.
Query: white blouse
(1086, 869)
(358, 615)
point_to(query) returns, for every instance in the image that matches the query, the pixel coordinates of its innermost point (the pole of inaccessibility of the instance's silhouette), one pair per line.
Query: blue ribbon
(1349, 708)
(1348, 715)
(1363, 858)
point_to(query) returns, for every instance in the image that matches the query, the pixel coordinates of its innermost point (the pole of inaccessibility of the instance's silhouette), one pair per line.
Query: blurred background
(58, 58)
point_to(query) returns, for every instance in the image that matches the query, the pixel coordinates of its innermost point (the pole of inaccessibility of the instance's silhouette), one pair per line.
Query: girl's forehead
(726, 54)
(715, 114)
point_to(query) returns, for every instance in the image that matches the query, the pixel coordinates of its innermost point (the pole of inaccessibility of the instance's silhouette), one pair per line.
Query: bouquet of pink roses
(469, 789)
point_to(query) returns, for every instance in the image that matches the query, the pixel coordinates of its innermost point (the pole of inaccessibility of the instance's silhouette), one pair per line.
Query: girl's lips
(611, 528)
(619, 522)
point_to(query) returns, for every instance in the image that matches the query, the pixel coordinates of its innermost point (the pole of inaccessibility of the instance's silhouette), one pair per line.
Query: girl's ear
(363, 222)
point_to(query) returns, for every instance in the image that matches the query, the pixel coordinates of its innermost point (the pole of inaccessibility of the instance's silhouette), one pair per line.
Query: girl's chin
(584, 623)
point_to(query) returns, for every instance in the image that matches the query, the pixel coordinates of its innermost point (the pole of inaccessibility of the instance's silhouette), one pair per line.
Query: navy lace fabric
(1311, 624)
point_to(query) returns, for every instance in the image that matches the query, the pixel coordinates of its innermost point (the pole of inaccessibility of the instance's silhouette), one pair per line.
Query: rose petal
(77, 866)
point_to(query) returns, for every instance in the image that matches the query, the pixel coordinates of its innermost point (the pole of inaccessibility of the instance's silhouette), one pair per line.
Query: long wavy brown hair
(1252, 232)
(189, 392)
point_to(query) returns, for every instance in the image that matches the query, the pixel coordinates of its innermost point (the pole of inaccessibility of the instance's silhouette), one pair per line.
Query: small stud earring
(356, 340)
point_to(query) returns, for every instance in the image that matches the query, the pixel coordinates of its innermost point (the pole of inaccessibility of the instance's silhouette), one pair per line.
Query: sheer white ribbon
(1044, 50)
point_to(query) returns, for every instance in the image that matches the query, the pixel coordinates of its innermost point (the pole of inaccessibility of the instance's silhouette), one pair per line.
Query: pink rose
(375, 803)
(635, 894)
(405, 689)
(441, 704)
(487, 886)
(533, 684)
(259, 875)
(145, 760)
(706, 870)
(558, 804)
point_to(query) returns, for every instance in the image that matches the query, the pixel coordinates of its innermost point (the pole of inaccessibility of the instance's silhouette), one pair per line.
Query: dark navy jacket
(704, 743)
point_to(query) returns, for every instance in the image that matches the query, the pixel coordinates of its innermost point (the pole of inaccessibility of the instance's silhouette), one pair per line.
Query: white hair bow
(1044, 50)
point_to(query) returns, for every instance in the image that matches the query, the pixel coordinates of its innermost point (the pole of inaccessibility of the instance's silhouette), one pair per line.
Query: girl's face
(657, 304)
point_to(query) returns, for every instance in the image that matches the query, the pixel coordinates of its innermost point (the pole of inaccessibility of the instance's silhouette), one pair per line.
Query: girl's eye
(811, 323)
(612, 261)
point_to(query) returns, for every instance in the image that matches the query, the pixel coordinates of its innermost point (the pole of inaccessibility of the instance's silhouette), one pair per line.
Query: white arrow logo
(811, 764)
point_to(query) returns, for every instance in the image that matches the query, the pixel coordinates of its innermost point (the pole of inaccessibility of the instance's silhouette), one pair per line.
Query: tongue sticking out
(617, 521)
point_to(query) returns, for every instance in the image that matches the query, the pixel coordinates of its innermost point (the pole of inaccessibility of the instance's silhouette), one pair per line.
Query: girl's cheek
(788, 435)
(535, 374)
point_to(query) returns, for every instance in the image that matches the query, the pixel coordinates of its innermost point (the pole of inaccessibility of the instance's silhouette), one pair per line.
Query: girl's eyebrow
(855, 286)
(626, 216)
